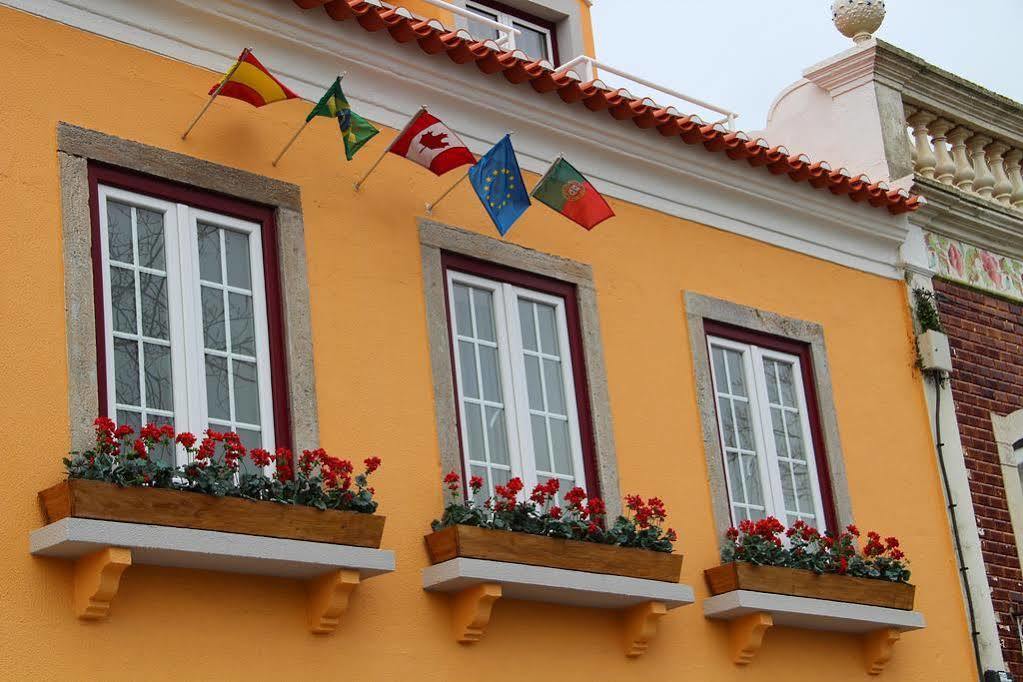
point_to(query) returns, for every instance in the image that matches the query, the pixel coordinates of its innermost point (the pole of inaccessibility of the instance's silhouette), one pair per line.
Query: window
(184, 337)
(773, 463)
(517, 376)
(536, 39)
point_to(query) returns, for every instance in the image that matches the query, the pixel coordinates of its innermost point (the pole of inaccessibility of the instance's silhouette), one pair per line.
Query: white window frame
(521, 455)
(188, 371)
(514, 22)
(760, 414)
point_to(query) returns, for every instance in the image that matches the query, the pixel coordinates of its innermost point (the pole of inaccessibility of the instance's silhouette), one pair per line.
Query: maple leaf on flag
(433, 140)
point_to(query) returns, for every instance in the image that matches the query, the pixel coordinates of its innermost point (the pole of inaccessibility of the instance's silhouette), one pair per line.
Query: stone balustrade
(953, 154)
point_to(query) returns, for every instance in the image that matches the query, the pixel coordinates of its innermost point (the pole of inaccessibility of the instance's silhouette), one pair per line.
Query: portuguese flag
(565, 190)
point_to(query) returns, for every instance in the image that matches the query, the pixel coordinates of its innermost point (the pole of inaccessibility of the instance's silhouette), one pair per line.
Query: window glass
(184, 297)
(769, 464)
(480, 30)
(532, 41)
(515, 390)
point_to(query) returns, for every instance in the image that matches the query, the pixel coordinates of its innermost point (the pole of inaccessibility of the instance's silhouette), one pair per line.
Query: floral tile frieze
(971, 265)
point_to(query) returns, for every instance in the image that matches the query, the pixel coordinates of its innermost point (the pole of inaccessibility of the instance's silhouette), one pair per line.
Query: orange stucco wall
(376, 397)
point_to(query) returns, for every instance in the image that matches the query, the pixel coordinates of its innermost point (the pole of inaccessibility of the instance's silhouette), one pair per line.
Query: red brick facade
(986, 334)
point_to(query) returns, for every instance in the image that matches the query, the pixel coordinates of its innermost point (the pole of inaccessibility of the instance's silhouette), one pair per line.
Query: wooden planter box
(740, 575)
(159, 507)
(537, 550)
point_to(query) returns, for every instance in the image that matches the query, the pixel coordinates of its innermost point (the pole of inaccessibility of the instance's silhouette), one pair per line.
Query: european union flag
(498, 183)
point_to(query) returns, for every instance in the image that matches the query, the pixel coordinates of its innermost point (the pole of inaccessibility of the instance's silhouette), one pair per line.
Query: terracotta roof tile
(461, 48)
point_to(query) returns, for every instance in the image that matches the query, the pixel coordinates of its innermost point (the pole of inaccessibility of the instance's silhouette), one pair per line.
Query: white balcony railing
(592, 65)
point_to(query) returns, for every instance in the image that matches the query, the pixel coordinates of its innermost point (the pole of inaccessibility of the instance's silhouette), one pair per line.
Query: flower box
(537, 550)
(741, 575)
(82, 498)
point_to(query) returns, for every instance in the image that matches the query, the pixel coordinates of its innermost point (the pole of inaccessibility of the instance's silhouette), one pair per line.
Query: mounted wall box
(934, 351)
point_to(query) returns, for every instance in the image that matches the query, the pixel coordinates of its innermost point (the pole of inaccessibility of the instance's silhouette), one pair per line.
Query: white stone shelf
(554, 585)
(751, 614)
(475, 584)
(71, 538)
(103, 550)
(811, 614)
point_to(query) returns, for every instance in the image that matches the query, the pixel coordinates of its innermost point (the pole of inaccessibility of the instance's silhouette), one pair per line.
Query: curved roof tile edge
(597, 97)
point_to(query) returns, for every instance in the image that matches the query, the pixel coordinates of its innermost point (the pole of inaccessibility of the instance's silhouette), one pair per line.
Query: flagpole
(216, 92)
(358, 183)
(298, 132)
(430, 207)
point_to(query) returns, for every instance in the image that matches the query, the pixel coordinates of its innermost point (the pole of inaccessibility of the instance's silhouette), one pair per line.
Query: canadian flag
(431, 144)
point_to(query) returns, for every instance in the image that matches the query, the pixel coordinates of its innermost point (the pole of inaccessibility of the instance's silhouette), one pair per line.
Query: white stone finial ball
(857, 19)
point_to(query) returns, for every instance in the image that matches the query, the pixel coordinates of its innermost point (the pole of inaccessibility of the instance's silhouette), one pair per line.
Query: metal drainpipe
(938, 380)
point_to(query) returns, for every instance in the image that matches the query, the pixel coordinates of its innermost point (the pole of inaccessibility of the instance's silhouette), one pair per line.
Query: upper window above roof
(548, 29)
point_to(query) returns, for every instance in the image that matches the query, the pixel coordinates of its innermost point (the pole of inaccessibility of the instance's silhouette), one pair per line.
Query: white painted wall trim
(387, 82)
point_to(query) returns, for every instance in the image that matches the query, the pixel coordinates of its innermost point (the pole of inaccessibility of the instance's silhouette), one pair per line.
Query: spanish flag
(249, 81)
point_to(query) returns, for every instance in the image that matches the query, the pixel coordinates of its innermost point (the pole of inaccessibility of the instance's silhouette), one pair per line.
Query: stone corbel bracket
(640, 626)
(471, 609)
(328, 597)
(746, 636)
(97, 577)
(877, 649)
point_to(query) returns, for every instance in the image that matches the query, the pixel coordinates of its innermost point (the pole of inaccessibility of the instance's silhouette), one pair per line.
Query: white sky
(739, 54)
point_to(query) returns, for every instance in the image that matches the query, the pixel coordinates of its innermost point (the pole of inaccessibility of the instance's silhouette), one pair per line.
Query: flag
(250, 82)
(432, 145)
(498, 183)
(355, 130)
(565, 190)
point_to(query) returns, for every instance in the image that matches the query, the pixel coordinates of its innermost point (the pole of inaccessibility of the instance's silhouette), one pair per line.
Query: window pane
(795, 431)
(155, 323)
(126, 372)
(534, 386)
(532, 42)
(483, 306)
(209, 253)
(150, 234)
(789, 493)
(132, 419)
(548, 329)
(119, 232)
(162, 453)
(237, 259)
(528, 325)
(555, 389)
(788, 394)
(485, 491)
(489, 371)
(463, 318)
(251, 439)
(243, 324)
(541, 450)
(467, 363)
(474, 426)
(159, 381)
(497, 436)
(727, 422)
(218, 398)
(736, 373)
(213, 318)
(735, 476)
(772, 382)
(246, 392)
(561, 447)
(751, 477)
(804, 490)
(122, 300)
(778, 428)
(718, 358)
(479, 30)
(743, 425)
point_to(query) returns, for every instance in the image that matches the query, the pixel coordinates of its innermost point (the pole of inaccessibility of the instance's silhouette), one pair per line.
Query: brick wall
(986, 334)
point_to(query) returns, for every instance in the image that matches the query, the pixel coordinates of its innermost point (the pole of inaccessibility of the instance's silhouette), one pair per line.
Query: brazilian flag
(355, 130)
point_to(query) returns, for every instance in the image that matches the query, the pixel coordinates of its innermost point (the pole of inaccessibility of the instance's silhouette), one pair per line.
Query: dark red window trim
(550, 26)
(545, 285)
(218, 203)
(803, 352)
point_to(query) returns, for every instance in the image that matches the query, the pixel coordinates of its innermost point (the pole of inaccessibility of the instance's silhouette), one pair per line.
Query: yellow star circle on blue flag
(498, 183)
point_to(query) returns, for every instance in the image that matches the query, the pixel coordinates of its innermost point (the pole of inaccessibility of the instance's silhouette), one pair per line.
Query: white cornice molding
(387, 82)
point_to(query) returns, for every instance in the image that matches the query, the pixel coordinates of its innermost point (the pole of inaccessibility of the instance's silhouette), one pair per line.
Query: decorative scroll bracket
(97, 577)
(640, 626)
(747, 635)
(471, 609)
(328, 597)
(877, 648)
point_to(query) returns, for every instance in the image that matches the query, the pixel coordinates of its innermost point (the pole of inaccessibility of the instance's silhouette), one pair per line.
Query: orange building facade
(717, 243)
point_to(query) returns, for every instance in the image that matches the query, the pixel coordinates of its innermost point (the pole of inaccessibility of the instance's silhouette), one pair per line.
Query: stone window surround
(699, 308)
(434, 238)
(1008, 431)
(76, 147)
